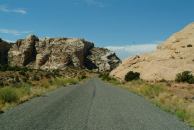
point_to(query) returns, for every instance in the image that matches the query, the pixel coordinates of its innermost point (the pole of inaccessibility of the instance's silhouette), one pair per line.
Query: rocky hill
(173, 56)
(4, 48)
(56, 53)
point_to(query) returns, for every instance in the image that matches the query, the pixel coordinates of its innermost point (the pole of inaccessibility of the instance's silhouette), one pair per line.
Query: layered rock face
(102, 59)
(171, 57)
(57, 53)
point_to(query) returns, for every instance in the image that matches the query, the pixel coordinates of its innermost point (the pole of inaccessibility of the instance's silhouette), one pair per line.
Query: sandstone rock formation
(4, 48)
(171, 57)
(102, 59)
(57, 53)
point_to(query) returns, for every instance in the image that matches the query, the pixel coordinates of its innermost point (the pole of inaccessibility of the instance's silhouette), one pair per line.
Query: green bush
(132, 76)
(182, 114)
(105, 76)
(185, 76)
(189, 45)
(8, 95)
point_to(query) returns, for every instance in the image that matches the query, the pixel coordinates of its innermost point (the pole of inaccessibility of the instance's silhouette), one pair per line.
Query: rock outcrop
(102, 59)
(4, 48)
(57, 53)
(171, 57)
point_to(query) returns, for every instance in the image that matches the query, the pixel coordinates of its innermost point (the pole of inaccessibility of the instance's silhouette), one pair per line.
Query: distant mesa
(173, 56)
(57, 53)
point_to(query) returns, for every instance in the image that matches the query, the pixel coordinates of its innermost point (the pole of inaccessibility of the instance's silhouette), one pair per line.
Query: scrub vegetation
(21, 84)
(176, 98)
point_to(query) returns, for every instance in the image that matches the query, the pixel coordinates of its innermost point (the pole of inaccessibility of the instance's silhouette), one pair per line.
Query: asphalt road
(93, 105)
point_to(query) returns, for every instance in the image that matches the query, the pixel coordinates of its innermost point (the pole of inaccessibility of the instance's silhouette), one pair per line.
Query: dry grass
(177, 99)
(12, 95)
(166, 98)
(64, 81)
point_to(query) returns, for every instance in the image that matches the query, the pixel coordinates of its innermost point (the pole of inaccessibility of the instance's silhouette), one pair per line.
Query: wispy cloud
(13, 32)
(130, 50)
(4, 8)
(94, 3)
(10, 41)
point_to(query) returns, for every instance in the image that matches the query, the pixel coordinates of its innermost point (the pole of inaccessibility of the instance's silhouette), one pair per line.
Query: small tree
(132, 76)
(185, 76)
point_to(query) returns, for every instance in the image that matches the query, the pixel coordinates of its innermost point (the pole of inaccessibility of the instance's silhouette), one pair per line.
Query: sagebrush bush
(64, 81)
(185, 76)
(132, 76)
(151, 91)
(8, 95)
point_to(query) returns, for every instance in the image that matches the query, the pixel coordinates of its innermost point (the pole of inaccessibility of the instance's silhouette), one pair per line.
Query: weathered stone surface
(4, 48)
(23, 52)
(57, 53)
(102, 59)
(173, 56)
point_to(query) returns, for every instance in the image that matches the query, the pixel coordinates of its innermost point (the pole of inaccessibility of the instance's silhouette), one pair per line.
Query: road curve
(93, 105)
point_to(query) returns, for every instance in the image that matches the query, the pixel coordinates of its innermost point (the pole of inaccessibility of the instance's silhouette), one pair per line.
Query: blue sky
(106, 22)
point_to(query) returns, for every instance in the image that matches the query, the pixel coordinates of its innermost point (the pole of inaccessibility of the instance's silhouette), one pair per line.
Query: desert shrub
(45, 83)
(22, 73)
(182, 114)
(35, 77)
(8, 95)
(189, 45)
(132, 76)
(22, 88)
(105, 76)
(13, 68)
(56, 72)
(24, 91)
(64, 81)
(49, 75)
(3, 67)
(24, 79)
(151, 91)
(82, 77)
(17, 79)
(1, 83)
(185, 76)
(115, 81)
(71, 81)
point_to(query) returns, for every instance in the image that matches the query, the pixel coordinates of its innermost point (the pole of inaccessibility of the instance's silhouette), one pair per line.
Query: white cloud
(8, 10)
(13, 32)
(94, 3)
(10, 41)
(129, 50)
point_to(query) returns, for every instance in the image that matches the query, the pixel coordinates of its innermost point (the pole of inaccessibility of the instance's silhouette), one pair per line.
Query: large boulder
(171, 57)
